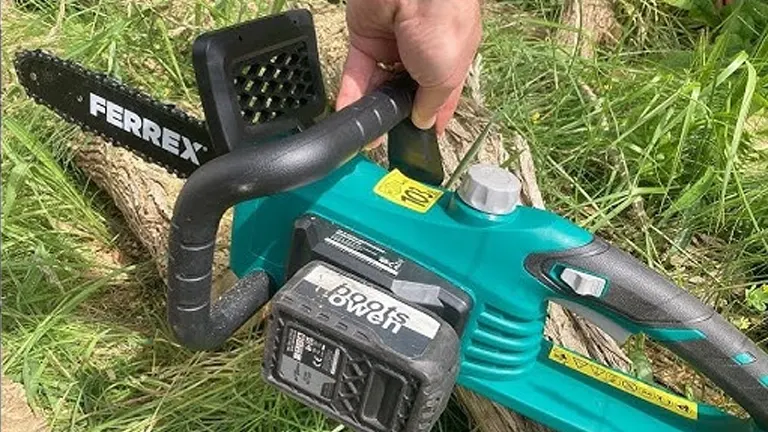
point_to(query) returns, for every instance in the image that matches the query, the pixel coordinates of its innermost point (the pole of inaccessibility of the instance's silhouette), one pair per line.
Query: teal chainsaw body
(504, 355)
(503, 261)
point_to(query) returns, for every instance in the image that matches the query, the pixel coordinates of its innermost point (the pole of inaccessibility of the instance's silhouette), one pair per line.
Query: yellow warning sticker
(401, 190)
(639, 389)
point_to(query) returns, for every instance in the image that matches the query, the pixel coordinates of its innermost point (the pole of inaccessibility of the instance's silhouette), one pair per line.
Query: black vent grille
(406, 406)
(352, 382)
(347, 398)
(270, 85)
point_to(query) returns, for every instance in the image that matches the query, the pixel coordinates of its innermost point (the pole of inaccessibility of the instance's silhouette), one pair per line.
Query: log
(587, 24)
(145, 195)
(17, 415)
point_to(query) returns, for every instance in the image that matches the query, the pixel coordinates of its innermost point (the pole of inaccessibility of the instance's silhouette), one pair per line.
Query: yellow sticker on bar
(403, 191)
(678, 405)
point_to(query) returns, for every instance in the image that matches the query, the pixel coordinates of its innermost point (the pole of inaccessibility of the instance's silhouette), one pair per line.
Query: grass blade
(746, 102)
(470, 155)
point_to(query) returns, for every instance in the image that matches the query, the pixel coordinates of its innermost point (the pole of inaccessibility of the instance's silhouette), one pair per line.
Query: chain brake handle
(262, 79)
(259, 79)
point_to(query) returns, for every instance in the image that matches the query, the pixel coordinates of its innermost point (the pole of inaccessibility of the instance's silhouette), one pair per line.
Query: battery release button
(583, 284)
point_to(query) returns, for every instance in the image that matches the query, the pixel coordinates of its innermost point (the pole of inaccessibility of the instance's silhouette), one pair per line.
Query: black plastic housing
(259, 79)
(315, 238)
(251, 172)
(416, 153)
(323, 351)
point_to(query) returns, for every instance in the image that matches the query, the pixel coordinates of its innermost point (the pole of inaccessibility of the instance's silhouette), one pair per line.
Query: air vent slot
(502, 345)
(269, 86)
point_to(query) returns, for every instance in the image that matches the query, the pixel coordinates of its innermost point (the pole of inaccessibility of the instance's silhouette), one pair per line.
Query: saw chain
(99, 104)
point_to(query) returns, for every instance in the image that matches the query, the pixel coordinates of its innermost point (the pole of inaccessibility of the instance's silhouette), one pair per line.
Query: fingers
(435, 105)
(427, 103)
(446, 112)
(361, 74)
(355, 77)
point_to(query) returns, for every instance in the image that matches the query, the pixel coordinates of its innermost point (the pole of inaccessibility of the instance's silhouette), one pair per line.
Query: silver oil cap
(490, 189)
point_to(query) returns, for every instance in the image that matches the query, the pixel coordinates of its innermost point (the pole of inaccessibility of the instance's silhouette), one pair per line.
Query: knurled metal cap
(490, 189)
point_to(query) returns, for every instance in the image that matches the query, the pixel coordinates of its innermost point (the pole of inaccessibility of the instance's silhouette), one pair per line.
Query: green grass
(647, 145)
(661, 129)
(660, 120)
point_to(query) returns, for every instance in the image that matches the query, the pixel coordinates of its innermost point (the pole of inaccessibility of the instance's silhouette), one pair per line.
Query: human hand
(434, 40)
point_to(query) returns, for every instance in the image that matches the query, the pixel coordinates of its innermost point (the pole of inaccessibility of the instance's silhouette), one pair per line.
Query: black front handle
(201, 323)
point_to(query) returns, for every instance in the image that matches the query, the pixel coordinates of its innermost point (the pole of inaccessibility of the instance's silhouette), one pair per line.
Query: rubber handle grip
(668, 314)
(248, 173)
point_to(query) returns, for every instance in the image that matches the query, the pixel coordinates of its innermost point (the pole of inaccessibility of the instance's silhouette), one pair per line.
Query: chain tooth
(108, 80)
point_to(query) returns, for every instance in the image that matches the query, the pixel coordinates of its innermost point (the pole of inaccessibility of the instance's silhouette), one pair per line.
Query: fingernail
(375, 143)
(422, 122)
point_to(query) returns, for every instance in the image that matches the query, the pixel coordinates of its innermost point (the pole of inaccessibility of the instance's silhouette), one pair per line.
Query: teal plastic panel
(503, 350)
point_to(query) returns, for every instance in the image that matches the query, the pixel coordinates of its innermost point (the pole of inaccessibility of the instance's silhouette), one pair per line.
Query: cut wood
(145, 195)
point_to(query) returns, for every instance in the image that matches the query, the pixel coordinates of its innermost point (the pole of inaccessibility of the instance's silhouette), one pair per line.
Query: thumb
(427, 104)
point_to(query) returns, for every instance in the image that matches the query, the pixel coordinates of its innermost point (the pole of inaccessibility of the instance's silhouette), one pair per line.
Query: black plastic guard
(259, 79)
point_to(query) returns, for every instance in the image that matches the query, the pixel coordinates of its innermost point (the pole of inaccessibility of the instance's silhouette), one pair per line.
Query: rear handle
(199, 323)
(618, 286)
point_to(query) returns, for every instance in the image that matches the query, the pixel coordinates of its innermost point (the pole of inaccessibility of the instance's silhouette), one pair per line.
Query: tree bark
(145, 195)
(587, 24)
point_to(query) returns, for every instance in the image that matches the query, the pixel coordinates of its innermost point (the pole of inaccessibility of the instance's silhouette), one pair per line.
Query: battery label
(366, 252)
(400, 326)
(309, 363)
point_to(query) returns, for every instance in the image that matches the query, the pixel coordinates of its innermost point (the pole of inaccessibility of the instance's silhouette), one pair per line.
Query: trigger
(615, 331)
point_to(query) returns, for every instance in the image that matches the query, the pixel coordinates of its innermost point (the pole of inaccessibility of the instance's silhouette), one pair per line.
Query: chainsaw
(385, 288)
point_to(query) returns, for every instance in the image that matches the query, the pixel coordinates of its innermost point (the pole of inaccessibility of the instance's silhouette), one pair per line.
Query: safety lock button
(583, 284)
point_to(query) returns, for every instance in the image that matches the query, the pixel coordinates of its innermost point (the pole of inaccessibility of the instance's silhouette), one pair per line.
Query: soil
(16, 414)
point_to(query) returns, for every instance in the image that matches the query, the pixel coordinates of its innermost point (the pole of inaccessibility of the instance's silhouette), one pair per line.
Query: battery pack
(358, 354)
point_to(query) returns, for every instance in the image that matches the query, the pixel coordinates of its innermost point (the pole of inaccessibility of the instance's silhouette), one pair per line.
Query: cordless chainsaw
(387, 289)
